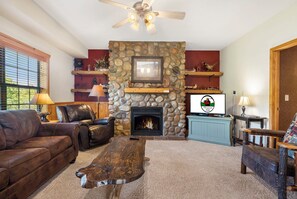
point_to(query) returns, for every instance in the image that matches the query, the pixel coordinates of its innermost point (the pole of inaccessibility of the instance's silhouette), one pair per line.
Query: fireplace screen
(146, 121)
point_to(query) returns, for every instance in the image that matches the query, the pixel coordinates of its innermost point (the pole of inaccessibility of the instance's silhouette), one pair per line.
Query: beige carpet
(177, 170)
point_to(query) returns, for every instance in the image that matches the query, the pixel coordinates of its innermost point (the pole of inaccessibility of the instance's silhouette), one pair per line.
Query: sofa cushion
(20, 162)
(55, 144)
(79, 112)
(19, 125)
(4, 178)
(266, 157)
(2, 139)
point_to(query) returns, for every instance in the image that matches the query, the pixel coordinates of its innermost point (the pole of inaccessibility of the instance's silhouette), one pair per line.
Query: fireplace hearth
(147, 121)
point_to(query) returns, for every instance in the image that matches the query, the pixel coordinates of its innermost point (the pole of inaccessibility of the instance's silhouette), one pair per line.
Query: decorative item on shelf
(212, 88)
(94, 82)
(191, 87)
(208, 67)
(198, 68)
(42, 99)
(97, 91)
(244, 101)
(78, 64)
(101, 64)
(129, 84)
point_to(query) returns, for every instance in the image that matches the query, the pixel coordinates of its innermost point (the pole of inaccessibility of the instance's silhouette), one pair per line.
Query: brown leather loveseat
(32, 152)
(92, 131)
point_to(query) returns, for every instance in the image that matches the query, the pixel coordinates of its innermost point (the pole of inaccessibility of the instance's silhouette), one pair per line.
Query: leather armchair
(92, 131)
(270, 160)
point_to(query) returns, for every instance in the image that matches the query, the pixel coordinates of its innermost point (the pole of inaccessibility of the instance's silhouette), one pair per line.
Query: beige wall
(245, 62)
(61, 64)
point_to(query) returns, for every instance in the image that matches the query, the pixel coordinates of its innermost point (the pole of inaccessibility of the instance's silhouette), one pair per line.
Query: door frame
(274, 82)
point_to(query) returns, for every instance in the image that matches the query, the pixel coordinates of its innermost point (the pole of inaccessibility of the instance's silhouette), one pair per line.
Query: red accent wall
(86, 81)
(193, 59)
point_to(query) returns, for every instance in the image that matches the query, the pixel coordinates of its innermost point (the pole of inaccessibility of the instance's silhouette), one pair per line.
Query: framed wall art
(147, 69)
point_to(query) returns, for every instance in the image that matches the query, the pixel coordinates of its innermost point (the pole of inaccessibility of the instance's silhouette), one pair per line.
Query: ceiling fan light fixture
(150, 17)
(150, 27)
(142, 10)
(135, 26)
(133, 17)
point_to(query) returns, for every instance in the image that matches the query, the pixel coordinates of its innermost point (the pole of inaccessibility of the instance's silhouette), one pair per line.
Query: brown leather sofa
(92, 131)
(32, 152)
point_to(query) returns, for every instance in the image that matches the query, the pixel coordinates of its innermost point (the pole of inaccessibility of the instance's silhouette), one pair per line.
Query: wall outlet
(286, 98)
(234, 92)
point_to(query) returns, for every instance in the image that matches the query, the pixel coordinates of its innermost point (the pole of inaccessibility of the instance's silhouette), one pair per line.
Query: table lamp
(244, 101)
(97, 91)
(42, 99)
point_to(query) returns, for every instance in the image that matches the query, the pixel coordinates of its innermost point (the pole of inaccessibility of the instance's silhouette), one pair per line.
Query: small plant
(101, 63)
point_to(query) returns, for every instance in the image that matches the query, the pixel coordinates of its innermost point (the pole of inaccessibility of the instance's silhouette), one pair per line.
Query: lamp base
(243, 110)
(43, 116)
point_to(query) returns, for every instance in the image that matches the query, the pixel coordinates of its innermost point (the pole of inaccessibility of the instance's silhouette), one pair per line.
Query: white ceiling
(208, 25)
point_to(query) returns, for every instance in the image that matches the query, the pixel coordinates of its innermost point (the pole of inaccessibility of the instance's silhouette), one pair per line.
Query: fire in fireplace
(147, 121)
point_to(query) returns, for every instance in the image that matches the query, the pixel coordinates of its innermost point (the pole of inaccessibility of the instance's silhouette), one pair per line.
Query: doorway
(274, 92)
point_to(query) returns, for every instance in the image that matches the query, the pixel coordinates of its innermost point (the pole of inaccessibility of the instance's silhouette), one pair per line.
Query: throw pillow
(291, 136)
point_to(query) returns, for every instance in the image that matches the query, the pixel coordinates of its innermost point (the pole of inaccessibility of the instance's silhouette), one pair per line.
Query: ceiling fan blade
(170, 14)
(121, 23)
(147, 3)
(116, 4)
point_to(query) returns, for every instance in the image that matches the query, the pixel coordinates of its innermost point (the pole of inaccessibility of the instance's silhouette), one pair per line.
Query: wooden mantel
(147, 90)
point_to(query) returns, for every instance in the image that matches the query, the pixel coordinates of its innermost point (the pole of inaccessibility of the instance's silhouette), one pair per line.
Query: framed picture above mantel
(147, 69)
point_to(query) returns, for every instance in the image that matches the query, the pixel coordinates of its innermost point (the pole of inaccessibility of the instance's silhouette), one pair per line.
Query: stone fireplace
(172, 103)
(147, 121)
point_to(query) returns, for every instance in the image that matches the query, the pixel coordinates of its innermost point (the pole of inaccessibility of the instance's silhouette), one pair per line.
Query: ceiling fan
(142, 10)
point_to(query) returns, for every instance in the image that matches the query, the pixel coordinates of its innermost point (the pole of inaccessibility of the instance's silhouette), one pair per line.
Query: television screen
(206, 104)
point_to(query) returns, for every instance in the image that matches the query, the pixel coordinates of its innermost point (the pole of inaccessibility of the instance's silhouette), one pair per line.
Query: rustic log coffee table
(121, 162)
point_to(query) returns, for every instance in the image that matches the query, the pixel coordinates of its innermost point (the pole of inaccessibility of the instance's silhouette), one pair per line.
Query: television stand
(210, 129)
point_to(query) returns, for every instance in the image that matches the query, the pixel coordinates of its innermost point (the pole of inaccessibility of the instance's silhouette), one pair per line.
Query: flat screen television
(208, 104)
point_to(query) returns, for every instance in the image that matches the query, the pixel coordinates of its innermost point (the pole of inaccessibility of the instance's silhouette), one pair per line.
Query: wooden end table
(248, 119)
(121, 162)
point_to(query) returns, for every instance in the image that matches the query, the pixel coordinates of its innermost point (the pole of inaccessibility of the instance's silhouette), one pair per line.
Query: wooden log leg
(294, 187)
(116, 191)
(243, 168)
(282, 175)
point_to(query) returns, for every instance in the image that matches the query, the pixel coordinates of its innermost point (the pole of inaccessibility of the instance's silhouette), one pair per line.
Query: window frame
(20, 47)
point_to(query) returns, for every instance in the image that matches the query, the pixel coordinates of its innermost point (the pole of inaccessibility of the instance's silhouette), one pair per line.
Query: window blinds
(21, 76)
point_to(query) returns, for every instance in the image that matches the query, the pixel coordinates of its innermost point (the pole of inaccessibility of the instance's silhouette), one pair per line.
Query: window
(21, 76)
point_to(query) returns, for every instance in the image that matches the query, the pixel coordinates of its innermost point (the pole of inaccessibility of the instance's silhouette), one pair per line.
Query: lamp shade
(97, 91)
(244, 101)
(41, 99)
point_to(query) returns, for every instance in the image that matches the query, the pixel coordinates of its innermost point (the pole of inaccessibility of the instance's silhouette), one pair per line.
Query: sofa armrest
(101, 121)
(58, 129)
(265, 132)
(108, 121)
(287, 145)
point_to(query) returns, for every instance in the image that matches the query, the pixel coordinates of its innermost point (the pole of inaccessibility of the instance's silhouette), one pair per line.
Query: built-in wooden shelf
(205, 74)
(202, 91)
(147, 90)
(85, 72)
(81, 90)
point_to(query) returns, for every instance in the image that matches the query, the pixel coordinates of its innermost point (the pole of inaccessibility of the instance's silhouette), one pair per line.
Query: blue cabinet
(210, 129)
